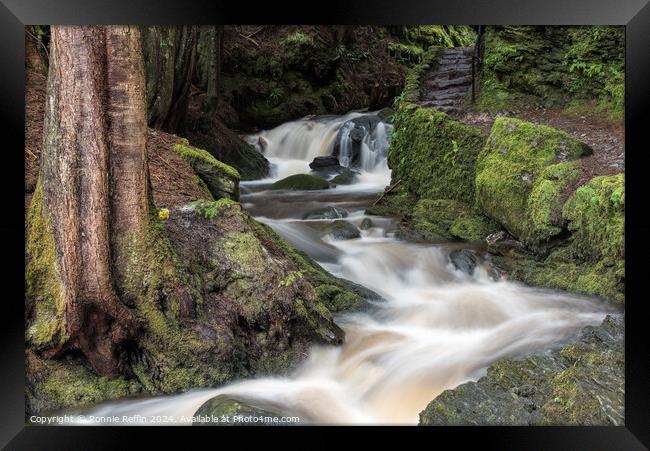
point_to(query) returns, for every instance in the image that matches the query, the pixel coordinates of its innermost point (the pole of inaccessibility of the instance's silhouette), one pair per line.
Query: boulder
(327, 162)
(580, 384)
(224, 410)
(521, 176)
(300, 182)
(346, 177)
(221, 180)
(366, 224)
(502, 243)
(356, 129)
(326, 213)
(338, 230)
(464, 260)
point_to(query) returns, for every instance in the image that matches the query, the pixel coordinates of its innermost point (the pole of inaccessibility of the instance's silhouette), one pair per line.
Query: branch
(391, 188)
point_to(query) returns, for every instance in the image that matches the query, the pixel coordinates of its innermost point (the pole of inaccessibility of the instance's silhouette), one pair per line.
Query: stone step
(454, 68)
(437, 103)
(444, 62)
(442, 95)
(460, 81)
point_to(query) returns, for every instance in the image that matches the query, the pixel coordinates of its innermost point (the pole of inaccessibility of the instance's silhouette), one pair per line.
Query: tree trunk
(170, 54)
(127, 115)
(94, 181)
(209, 56)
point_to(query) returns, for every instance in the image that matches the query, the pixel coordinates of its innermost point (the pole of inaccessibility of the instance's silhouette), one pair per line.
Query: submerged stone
(326, 213)
(338, 230)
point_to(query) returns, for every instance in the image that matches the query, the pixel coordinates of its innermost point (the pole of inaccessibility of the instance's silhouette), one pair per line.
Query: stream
(436, 328)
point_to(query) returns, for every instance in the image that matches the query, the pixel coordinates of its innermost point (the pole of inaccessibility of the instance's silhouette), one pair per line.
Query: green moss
(211, 209)
(554, 66)
(70, 384)
(596, 217)
(472, 226)
(301, 182)
(335, 298)
(545, 202)
(222, 180)
(398, 202)
(348, 296)
(433, 155)
(44, 291)
(159, 283)
(514, 156)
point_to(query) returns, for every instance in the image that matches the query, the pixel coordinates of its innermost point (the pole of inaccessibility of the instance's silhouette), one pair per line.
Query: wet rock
(223, 410)
(464, 260)
(326, 213)
(346, 177)
(300, 182)
(328, 162)
(582, 383)
(366, 224)
(502, 243)
(356, 129)
(339, 230)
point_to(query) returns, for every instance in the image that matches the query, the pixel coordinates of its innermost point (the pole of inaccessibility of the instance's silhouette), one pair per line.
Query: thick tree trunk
(170, 54)
(94, 180)
(127, 115)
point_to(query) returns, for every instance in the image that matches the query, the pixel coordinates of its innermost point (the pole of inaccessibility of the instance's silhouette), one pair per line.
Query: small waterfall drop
(359, 141)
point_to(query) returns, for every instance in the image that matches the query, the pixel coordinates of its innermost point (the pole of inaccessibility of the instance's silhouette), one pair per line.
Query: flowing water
(435, 329)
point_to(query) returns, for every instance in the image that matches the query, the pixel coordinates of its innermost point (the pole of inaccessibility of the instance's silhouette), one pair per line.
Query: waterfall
(359, 140)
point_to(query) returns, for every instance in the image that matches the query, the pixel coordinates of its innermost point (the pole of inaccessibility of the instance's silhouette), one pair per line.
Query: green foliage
(596, 216)
(298, 39)
(548, 66)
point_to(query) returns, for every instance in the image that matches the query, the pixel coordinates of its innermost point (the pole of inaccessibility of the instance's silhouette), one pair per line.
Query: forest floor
(606, 139)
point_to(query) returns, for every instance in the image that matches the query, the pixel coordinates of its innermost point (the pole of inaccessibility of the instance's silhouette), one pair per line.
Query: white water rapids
(436, 328)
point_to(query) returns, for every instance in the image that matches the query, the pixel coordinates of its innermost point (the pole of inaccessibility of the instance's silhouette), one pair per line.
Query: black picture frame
(634, 14)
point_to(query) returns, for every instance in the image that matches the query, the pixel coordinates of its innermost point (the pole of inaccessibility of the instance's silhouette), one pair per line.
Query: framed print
(404, 215)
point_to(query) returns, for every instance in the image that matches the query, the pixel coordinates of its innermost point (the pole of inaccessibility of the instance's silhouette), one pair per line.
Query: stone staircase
(446, 83)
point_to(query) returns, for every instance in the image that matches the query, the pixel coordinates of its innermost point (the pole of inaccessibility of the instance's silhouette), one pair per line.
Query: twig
(47, 54)
(256, 31)
(391, 188)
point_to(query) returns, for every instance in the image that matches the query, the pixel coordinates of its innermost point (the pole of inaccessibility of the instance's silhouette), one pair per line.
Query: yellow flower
(163, 213)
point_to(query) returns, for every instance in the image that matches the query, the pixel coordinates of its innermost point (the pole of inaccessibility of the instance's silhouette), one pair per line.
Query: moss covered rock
(580, 384)
(299, 182)
(55, 385)
(433, 155)
(592, 261)
(445, 220)
(225, 410)
(521, 174)
(222, 180)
